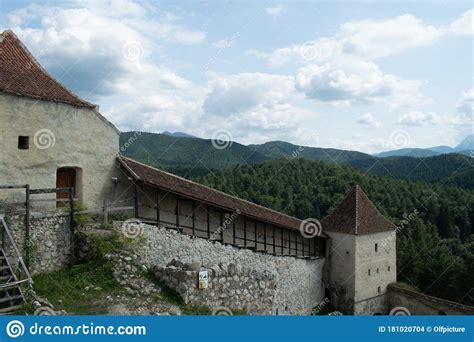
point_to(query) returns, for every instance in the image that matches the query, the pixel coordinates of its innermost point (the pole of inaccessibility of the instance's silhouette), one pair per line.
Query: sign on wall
(203, 280)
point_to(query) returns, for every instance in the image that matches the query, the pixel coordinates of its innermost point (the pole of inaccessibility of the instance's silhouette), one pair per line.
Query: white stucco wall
(368, 299)
(83, 139)
(341, 270)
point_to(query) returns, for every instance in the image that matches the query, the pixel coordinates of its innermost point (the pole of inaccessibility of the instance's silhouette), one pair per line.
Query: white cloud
(465, 105)
(417, 118)
(225, 43)
(368, 120)
(274, 10)
(355, 83)
(464, 24)
(257, 106)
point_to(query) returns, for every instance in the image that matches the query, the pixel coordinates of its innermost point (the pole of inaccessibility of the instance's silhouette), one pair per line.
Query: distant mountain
(408, 152)
(178, 134)
(465, 147)
(466, 144)
(193, 157)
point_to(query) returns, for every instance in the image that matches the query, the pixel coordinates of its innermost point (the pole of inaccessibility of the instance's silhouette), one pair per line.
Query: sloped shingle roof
(22, 75)
(169, 182)
(356, 214)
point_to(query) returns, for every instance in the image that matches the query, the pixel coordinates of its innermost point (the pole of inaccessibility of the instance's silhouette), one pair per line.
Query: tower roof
(22, 75)
(356, 214)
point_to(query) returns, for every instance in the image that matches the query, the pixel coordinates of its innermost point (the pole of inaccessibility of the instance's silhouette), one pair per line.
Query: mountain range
(193, 157)
(465, 147)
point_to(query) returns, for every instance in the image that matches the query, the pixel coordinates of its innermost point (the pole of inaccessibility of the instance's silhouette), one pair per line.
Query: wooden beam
(274, 240)
(193, 218)
(158, 214)
(135, 189)
(265, 236)
(233, 231)
(176, 210)
(27, 225)
(221, 225)
(208, 223)
(281, 232)
(245, 231)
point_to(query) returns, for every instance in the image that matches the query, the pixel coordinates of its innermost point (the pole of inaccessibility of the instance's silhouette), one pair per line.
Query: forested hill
(437, 242)
(190, 157)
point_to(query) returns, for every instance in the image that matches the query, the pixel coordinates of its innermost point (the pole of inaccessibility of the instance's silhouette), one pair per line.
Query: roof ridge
(208, 187)
(34, 61)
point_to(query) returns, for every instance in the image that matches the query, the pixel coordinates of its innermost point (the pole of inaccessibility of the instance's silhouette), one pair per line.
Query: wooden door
(65, 178)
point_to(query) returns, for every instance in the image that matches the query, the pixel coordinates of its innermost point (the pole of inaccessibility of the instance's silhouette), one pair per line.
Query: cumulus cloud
(464, 24)
(355, 83)
(465, 105)
(368, 120)
(274, 10)
(417, 118)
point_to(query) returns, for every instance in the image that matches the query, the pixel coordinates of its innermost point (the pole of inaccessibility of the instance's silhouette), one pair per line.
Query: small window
(376, 247)
(377, 270)
(23, 142)
(368, 272)
(389, 268)
(379, 289)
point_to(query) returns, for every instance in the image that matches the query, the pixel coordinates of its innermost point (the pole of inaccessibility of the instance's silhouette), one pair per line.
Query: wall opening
(23, 142)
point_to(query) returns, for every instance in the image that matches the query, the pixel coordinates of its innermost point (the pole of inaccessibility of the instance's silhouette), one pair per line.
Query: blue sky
(363, 76)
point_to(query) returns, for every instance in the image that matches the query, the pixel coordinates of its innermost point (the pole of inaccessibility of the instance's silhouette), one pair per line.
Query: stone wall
(294, 285)
(242, 289)
(420, 304)
(50, 241)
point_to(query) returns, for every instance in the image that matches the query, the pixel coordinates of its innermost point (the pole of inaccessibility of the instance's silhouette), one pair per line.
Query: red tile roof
(186, 188)
(22, 75)
(356, 214)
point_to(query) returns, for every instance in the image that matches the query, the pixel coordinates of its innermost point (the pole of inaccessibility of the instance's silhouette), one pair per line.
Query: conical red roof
(22, 75)
(356, 214)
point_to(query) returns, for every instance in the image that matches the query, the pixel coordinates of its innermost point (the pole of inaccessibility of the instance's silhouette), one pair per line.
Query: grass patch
(167, 293)
(65, 289)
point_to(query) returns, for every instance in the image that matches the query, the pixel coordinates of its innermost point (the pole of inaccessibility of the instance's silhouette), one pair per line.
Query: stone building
(362, 255)
(49, 136)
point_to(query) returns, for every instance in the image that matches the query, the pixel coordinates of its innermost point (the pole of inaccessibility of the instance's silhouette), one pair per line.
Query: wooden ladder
(11, 294)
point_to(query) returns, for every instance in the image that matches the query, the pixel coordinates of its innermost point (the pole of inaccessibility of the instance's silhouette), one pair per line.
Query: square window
(23, 142)
(376, 247)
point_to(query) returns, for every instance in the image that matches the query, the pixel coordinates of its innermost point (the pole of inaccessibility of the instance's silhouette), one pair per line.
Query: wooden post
(281, 232)
(274, 240)
(233, 232)
(72, 223)
(265, 236)
(221, 225)
(158, 217)
(255, 234)
(302, 243)
(105, 214)
(193, 218)
(176, 209)
(136, 199)
(245, 231)
(27, 226)
(208, 223)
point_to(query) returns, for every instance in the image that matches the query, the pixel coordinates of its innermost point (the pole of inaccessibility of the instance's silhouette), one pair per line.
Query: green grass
(65, 289)
(167, 293)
